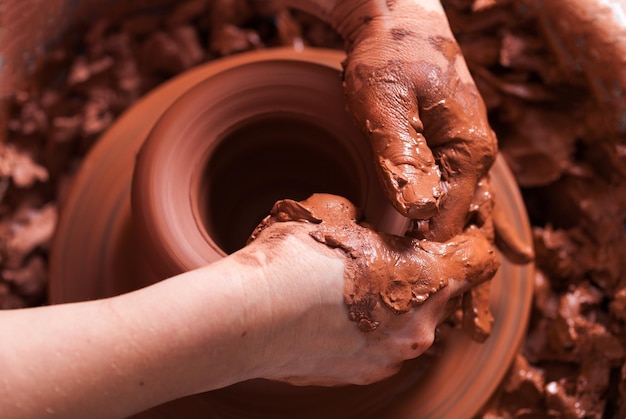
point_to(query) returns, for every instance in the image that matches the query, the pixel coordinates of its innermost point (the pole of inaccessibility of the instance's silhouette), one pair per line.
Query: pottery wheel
(95, 255)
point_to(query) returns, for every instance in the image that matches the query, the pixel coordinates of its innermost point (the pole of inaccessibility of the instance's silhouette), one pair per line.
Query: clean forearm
(196, 332)
(114, 357)
(275, 309)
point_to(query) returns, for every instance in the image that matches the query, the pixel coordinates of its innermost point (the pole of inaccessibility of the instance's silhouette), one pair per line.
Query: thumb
(467, 260)
(508, 240)
(475, 256)
(475, 288)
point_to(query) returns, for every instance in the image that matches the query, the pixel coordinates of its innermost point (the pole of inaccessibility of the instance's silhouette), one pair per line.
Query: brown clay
(30, 27)
(572, 253)
(398, 271)
(590, 36)
(114, 248)
(238, 142)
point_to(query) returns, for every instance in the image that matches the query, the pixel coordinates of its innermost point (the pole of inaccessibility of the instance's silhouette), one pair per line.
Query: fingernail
(422, 196)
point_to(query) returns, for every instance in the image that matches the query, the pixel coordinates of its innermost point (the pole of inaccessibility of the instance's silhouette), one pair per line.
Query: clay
(511, 52)
(268, 132)
(33, 228)
(580, 53)
(28, 281)
(573, 187)
(20, 167)
(230, 21)
(521, 391)
(111, 218)
(435, 144)
(399, 272)
(173, 52)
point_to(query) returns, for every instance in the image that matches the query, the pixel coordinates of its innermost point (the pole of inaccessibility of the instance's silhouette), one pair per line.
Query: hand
(397, 291)
(275, 309)
(408, 86)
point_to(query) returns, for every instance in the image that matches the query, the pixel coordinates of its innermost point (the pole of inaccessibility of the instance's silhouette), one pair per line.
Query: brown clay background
(571, 173)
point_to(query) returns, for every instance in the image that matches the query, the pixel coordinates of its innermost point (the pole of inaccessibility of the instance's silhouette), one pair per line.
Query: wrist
(302, 288)
(270, 296)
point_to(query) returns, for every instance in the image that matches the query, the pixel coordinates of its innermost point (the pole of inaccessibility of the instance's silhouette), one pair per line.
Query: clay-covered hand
(408, 86)
(396, 291)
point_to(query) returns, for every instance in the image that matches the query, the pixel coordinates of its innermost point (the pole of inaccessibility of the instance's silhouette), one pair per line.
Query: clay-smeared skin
(397, 272)
(477, 318)
(408, 86)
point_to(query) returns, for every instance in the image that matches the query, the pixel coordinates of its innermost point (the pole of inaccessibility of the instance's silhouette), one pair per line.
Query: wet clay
(120, 248)
(410, 90)
(237, 142)
(32, 28)
(123, 60)
(557, 129)
(400, 272)
(533, 63)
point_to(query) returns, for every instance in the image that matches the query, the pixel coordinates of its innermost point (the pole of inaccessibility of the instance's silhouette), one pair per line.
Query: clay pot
(216, 147)
(222, 154)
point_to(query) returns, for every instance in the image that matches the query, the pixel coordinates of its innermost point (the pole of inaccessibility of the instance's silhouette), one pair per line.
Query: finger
(386, 108)
(481, 209)
(508, 241)
(477, 317)
(494, 224)
(464, 147)
(480, 213)
(474, 289)
(469, 260)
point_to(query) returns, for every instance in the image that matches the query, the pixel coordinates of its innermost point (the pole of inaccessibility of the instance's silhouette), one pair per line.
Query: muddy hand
(396, 289)
(486, 214)
(408, 86)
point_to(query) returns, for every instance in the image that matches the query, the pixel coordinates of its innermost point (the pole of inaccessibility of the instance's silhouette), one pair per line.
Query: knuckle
(415, 345)
(482, 146)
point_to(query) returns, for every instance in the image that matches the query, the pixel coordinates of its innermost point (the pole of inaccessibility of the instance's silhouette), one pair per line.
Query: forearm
(116, 356)
(199, 331)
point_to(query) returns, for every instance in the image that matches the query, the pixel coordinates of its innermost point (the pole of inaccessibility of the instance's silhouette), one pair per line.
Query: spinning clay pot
(216, 147)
